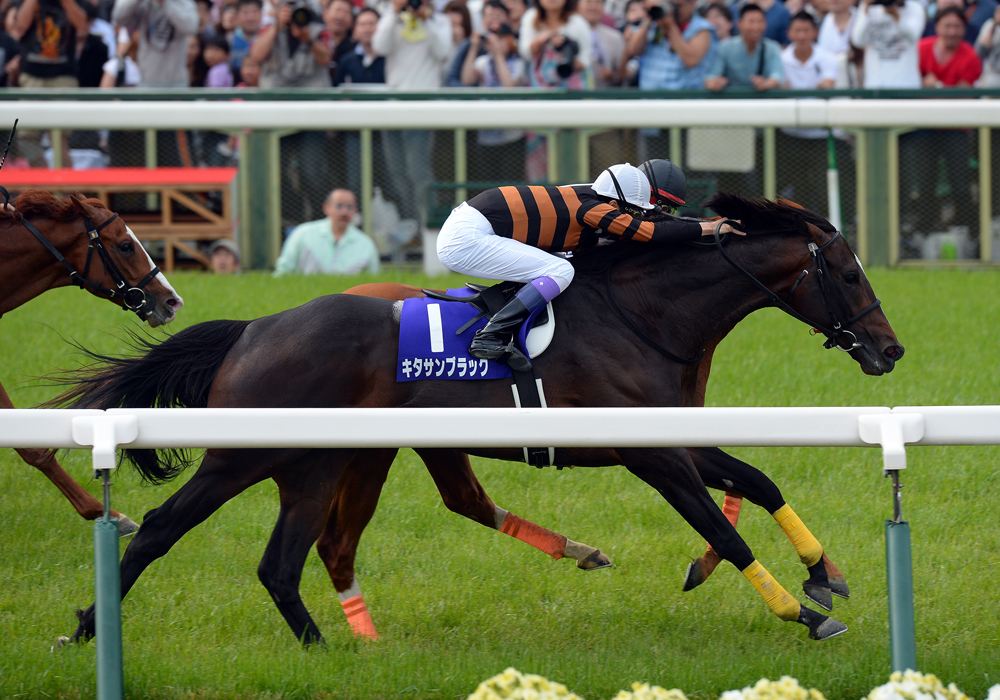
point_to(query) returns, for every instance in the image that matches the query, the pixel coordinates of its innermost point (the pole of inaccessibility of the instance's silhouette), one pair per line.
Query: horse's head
(815, 275)
(123, 267)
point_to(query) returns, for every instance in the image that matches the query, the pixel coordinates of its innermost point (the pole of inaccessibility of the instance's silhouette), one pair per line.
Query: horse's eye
(126, 247)
(852, 278)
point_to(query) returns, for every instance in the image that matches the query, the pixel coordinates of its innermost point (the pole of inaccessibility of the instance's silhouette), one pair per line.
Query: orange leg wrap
(731, 509)
(547, 541)
(358, 617)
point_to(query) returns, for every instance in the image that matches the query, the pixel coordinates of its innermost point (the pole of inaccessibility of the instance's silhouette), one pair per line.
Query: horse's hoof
(61, 641)
(838, 586)
(818, 594)
(126, 526)
(694, 576)
(593, 561)
(820, 626)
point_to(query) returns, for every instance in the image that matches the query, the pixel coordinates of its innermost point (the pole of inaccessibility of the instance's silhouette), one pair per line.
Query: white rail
(501, 427)
(492, 114)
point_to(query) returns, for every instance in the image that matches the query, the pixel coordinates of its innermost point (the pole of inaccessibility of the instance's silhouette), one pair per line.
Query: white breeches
(468, 245)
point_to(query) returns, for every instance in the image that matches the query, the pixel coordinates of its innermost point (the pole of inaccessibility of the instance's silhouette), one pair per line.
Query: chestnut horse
(341, 351)
(46, 243)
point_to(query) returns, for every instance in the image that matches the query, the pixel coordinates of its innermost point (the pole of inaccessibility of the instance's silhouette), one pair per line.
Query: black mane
(759, 216)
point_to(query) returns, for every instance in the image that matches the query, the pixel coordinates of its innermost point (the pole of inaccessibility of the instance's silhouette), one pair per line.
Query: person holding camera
(888, 32)
(675, 44)
(294, 51)
(165, 27)
(555, 41)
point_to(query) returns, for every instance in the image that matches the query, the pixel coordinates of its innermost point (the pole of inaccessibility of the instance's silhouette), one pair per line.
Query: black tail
(177, 372)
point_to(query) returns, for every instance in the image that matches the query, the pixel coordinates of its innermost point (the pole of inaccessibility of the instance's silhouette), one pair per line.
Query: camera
(414, 4)
(567, 54)
(302, 14)
(658, 12)
(887, 3)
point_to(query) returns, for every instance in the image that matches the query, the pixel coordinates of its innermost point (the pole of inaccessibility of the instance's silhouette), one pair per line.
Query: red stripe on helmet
(667, 195)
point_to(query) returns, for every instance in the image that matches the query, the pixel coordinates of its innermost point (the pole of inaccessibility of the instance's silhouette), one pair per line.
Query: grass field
(456, 603)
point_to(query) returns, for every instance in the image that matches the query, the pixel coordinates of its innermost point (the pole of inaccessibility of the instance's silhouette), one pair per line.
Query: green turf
(456, 603)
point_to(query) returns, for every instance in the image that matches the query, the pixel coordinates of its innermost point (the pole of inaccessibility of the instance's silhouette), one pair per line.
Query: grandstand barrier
(877, 223)
(105, 431)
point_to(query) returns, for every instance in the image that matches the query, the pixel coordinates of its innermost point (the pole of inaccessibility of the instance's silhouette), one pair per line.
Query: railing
(105, 431)
(568, 123)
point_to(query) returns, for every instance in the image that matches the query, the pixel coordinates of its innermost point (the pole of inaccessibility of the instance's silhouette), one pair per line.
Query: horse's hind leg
(45, 461)
(672, 473)
(463, 494)
(724, 472)
(353, 505)
(222, 475)
(307, 488)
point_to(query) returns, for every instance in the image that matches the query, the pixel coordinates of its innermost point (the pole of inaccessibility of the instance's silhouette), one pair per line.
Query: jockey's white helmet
(625, 183)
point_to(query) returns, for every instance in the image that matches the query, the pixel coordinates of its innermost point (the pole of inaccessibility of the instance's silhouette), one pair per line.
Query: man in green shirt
(329, 246)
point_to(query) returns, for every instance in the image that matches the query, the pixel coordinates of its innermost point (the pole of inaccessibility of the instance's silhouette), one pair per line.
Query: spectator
(224, 257)
(227, 19)
(778, 18)
(978, 12)
(721, 17)
(48, 31)
(635, 13)
(362, 66)
(215, 52)
(10, 22)
(515, 11)
(92, 51)
(122, 70)
(295, 52)
(461, 35)
(988, 48)
(165, 27)
(946, 60)
(249, 73)
(206, 27)
(331, 246)
(888, 34)
(339, 19)
(801, 152)
(414, 42)
(835, 30)
(249, 15)
(10, 53)
(673, 58)
(748, 60)
(545, 30)
(607, 46)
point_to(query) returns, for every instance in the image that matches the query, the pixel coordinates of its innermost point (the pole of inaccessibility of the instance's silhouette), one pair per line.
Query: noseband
(135, 298)
(837, 328)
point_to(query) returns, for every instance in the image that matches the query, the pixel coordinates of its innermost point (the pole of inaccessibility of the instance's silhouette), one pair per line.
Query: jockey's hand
(708, 228)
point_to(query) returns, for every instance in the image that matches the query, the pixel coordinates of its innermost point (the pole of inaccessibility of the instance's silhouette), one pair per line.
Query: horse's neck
(697, 296)
(26, 268)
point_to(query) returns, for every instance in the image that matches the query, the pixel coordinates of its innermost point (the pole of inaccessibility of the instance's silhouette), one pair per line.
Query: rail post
(104, 433)
(892, 432)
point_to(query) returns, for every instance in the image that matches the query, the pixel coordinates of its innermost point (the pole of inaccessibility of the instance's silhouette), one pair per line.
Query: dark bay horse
(42, 241)
(340, 351)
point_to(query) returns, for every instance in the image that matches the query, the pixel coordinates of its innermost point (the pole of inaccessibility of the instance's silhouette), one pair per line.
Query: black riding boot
(495, 340)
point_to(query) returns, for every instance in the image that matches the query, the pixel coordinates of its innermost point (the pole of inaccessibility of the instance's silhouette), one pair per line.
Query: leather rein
(134, 298)
(834, 332)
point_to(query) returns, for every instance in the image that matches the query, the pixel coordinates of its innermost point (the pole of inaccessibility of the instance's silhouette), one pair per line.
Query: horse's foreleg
(353, 505)
(723, 471)
(673, 474)
(222, 475)
(307, 488)
(45, 461)
(463, 494)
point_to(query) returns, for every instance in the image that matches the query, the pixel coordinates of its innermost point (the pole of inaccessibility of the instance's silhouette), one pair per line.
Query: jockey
(511, 233)
(667, 182)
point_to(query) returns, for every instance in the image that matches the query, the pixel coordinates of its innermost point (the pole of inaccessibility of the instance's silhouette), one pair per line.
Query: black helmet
(667, 182)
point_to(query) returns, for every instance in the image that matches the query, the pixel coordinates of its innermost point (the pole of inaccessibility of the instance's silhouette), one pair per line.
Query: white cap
(624, 181)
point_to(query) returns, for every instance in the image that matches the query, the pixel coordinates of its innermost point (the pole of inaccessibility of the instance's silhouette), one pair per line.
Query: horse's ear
(803, 228)
(88, 210)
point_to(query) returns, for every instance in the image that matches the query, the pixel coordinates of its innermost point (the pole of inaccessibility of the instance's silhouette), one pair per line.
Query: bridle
(836, 328)
(833, 332)
(134, 298)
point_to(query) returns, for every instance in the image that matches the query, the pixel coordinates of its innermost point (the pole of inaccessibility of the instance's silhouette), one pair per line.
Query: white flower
(514, 685)
(786, 688)
(912, 685)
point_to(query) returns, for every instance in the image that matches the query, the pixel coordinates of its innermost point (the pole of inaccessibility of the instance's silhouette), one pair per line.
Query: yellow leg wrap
(777, 598)
(809, 549)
